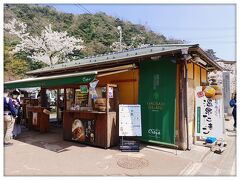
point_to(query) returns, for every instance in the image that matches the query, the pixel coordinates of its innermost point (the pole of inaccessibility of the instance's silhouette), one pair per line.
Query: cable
(79, 7)
(212, 37)
(194, 28)
(88, 12)
(84, 8)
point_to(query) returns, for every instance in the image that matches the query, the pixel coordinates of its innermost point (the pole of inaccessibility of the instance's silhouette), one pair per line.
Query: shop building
(161, 78)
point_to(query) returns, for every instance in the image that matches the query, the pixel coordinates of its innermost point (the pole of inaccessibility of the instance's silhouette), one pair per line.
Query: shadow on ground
(52, 140)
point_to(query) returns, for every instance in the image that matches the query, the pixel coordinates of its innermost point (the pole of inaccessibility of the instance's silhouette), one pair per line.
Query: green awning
(52, 81)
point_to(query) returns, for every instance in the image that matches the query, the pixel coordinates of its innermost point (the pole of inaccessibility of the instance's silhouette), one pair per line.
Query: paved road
(47, 154)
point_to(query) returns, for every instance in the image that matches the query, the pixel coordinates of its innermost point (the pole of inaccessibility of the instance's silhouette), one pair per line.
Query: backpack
(7, 99)
(6, 102)
(232, 103)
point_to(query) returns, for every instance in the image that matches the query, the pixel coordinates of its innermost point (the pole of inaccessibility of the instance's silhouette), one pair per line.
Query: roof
(117, 57)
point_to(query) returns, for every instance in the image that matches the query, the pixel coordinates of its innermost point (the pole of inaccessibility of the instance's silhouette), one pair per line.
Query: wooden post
(182, 123)
(107, 100)
(43, 96)
(57, 104)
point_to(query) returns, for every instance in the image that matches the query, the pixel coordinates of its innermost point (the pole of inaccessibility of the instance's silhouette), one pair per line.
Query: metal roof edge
(52, 77)
(77, 63)
(210, 61)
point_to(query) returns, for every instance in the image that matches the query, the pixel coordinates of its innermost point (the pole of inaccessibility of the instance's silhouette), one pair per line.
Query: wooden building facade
(162, 79)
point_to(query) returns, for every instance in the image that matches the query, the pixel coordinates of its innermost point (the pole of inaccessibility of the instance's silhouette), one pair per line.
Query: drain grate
(132, 163)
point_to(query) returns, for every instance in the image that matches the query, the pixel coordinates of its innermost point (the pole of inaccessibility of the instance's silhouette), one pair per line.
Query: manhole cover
(132, 163)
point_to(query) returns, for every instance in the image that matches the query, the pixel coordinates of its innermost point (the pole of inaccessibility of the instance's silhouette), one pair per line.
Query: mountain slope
(98, 31)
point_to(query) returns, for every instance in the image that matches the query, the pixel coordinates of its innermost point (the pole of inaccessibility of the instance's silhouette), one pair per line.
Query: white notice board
(130, 120)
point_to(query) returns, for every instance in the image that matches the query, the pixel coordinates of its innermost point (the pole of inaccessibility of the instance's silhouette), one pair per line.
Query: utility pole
(120, 38)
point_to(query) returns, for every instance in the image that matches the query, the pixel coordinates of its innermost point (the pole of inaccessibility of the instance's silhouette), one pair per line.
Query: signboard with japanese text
(130, 120)
(209, 118)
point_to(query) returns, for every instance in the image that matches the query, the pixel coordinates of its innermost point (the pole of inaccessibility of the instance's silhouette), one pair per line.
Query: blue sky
(212, 26)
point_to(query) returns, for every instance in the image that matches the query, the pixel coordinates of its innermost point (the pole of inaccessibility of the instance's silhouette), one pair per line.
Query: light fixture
(155, 57)
(199, 60)
(188, 57)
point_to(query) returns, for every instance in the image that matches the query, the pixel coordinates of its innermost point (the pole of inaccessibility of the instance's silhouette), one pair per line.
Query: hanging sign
(92, 89)
(130, 120)
(209, 117)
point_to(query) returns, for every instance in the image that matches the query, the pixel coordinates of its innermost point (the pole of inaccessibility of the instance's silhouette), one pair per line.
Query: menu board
(130, 120)
(81, 98)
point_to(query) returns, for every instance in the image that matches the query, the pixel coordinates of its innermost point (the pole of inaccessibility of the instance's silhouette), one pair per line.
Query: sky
(211, 26)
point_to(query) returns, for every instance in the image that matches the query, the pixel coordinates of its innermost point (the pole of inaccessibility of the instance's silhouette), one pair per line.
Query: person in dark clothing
(17, 105)
(233, 103)
(9, 119)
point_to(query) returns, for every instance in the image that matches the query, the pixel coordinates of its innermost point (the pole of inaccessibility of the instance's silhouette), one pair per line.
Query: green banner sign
(50, 82)
(157, 95)
(198, 119)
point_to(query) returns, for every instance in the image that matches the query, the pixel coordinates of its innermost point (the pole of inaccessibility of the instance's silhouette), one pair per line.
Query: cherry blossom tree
(49, 47)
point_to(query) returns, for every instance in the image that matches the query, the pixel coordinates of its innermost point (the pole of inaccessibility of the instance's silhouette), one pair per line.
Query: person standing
(17, 106)
(9, 119)
(233, 103)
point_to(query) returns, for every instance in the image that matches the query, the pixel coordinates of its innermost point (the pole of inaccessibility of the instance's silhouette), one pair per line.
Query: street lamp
(119, 28)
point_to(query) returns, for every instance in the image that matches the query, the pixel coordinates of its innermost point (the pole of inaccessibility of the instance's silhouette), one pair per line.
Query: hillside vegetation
(98, 31)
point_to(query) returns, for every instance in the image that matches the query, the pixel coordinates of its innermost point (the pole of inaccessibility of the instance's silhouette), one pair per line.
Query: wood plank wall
(196, 76)
(127, 84)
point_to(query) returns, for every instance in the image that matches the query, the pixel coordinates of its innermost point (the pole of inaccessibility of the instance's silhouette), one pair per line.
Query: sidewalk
(47, 154)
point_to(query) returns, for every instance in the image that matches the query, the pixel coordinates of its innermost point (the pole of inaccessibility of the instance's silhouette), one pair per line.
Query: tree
(13, 66)
(211, 54)
(49, 47)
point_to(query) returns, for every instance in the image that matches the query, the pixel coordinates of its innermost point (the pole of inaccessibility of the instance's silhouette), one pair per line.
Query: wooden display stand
(41, 123)
(103, 124)
(28, 102)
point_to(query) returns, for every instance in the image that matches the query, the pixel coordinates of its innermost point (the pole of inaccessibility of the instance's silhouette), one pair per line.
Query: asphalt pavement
(36, 154)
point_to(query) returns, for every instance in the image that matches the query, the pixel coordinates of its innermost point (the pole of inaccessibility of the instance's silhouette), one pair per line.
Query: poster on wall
(83, 130)
(209, 118)
(34, 118)
(81, 98)
(110, 92)
(130, 120)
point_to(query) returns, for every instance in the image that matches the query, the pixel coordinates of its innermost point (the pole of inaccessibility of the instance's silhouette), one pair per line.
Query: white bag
(7, 118)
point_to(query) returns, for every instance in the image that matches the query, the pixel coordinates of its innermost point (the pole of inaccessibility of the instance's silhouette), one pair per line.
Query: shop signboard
(83, 130)
(130, 120)
(157, 96)
(209, 118)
